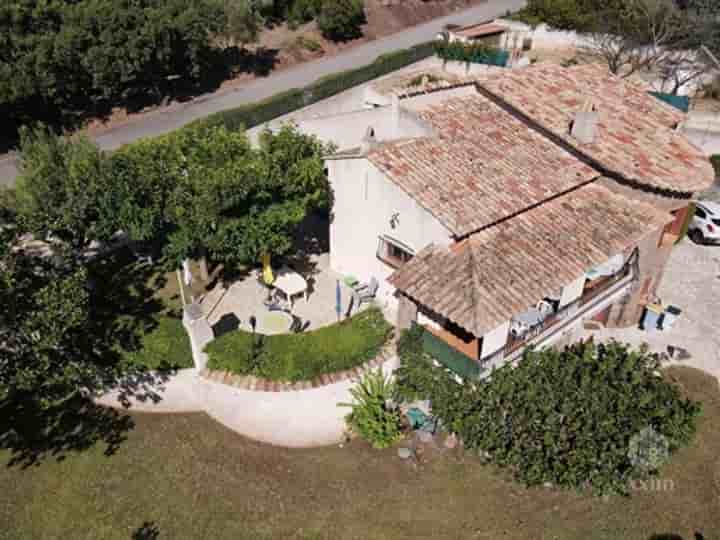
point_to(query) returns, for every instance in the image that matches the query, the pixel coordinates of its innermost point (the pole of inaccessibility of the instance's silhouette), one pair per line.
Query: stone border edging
(258, 384)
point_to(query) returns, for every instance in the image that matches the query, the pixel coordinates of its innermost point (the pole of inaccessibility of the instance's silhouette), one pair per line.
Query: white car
(705, 225)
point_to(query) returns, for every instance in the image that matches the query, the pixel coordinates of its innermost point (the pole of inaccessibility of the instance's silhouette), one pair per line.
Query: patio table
(290, 283)
(275, 322)
(530, 318)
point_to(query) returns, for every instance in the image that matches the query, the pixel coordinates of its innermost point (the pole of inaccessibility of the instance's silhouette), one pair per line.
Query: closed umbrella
(338, 299)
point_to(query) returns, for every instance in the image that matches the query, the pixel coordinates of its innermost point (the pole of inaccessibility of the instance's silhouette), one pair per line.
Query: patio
(246, 298)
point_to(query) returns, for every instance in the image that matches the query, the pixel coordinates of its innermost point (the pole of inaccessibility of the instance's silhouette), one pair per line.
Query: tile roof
(484, 166)
(483, 281)
(636, 136)
(479, 30)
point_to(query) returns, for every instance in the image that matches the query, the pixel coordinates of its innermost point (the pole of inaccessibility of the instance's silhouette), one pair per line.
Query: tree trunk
(204, 274)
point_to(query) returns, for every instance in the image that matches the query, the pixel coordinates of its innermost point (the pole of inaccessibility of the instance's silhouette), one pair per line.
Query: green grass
(296, 357)
(165, 346)
(188, 478)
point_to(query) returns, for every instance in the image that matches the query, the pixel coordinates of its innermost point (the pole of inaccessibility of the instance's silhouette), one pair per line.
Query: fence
(249, 116)
(473, 54)
(450, 357)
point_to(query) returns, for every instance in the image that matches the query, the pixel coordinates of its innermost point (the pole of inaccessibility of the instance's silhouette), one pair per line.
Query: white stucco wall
(494, 340)
(347, 130)
(365, 201)
(572, 291)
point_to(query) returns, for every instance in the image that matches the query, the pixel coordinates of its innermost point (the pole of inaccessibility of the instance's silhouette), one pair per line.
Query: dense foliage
(299, 357)
(341, 20)
(60, 58)
(477, 53)
(249, 116)
(375, 415)
(561, 416)
(715, 160)
(198, 190)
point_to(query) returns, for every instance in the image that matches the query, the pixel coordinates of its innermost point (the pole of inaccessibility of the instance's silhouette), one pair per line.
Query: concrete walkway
(292, 419)
(692, 283)
(178, 115)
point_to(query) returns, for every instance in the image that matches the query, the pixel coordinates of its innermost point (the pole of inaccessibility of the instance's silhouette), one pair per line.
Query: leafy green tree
(42, 324)
(243, 22)
(60, 60)
(58, 190)
(341, 20)
(568, 416)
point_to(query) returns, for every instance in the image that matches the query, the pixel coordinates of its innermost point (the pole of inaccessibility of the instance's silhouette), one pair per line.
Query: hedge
(304, 356)
(473, 54)
(249, 116)
(577, 417)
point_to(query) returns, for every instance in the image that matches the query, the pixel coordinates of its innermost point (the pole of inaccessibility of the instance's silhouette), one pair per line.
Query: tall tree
(59, 187)
(342, 20)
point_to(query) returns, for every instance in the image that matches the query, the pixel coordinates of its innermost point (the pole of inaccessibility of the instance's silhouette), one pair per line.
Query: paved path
(301, 75)
(292, 419)
(692, 283)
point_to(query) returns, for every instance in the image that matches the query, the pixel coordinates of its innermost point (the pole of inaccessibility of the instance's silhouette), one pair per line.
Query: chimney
(368, 142)
(584, 126)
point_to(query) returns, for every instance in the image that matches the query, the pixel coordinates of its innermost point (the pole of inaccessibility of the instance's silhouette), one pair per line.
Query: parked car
(705, 225)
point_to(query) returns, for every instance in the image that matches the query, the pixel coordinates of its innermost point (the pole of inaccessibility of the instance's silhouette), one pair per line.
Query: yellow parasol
(268, 276)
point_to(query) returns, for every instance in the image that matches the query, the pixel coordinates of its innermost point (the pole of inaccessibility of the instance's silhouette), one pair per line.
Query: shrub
(341, 20)
(474, 53)
(715, 160)
(298, 357)
(374, 415)
(568, 416)
(249, 116)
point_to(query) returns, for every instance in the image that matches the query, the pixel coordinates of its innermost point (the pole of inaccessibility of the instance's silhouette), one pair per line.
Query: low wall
(258, 384)
(295, 415)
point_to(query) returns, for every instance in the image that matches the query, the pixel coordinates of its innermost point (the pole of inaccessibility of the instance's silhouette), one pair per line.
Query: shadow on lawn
(32, 435)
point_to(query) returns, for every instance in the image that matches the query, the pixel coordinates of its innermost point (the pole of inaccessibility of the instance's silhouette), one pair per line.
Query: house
(499, 34)
(503, 212)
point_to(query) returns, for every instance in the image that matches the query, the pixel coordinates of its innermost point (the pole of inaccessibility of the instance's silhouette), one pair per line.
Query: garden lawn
(185, 477)
(304, 356)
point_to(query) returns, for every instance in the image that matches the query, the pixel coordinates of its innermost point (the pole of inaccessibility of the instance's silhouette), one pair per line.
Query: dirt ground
(185, 477)
(283, 47)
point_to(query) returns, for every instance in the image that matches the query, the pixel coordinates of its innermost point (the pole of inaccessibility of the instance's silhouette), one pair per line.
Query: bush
(299, 357)
(715, 160)
(475, 53)
(341, 20)
(249, 116)
(567, 417)
(374, 416)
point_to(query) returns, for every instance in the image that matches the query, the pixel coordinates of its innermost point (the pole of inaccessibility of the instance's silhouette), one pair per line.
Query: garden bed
(302, 357)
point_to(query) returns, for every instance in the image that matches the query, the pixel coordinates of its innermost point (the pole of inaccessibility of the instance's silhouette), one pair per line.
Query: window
(699, 212)
(392, 252)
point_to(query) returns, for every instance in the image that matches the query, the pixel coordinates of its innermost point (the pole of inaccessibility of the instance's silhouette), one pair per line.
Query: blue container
(651, 320)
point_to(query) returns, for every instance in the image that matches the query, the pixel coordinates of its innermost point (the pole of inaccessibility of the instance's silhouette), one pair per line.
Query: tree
(571, 417)
(42, 323)
(58, 190)
(242, 22)
(657, 36)
(341, 20)
(60, 60)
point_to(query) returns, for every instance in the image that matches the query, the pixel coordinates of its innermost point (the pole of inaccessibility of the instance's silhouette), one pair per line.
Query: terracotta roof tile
(484, 166)
(483, 281)
(636, 131)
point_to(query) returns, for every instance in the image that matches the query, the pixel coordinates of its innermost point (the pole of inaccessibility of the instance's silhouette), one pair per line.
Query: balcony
(595, 288)
(596, 292)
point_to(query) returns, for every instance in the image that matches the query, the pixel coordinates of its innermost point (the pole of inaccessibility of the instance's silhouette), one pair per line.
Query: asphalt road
(301, 75)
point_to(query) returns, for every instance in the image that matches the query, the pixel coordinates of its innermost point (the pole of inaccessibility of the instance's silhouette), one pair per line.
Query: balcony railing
(599, 286)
